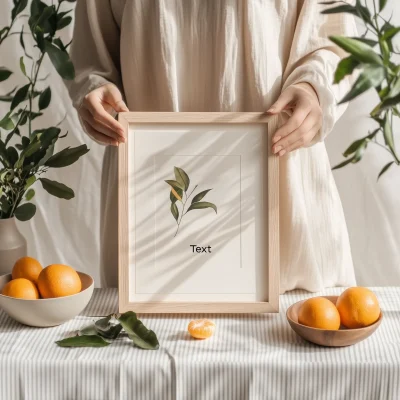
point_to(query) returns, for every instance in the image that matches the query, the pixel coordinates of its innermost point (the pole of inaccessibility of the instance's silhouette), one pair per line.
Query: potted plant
(26, 154)
(372, 57)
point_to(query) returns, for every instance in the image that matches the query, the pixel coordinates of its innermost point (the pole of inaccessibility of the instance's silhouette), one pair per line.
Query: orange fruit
(21, 288)
(358, 307)
(319, 312)
(58, 280)
(201, 328)
(28, 268)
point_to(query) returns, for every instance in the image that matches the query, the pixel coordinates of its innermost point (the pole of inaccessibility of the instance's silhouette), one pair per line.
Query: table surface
(249, 357)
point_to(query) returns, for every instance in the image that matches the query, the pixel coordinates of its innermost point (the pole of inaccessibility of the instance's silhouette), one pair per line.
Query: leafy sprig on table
(102, 332)
(179, 187)
(373, 58)
(27, 154)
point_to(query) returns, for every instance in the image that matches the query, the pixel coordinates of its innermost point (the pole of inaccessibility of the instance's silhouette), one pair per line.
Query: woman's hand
(97, 110)
(305, 122)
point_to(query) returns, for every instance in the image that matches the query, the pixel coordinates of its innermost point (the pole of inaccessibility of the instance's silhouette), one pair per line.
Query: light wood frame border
(143, 118)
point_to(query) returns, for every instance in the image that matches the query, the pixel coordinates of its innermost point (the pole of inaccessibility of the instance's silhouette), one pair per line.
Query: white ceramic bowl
(47, 312)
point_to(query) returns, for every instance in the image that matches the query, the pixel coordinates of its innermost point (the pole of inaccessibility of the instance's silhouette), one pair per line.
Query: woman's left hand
(305, 122)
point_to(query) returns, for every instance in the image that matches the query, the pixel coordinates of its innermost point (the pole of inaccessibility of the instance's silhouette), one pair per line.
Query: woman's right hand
(96, 112)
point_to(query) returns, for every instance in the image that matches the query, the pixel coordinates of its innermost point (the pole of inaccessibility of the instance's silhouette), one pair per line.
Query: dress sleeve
(313, 59)
(95, 49)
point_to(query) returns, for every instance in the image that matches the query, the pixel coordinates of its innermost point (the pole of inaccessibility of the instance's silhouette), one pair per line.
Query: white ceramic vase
(12, 245)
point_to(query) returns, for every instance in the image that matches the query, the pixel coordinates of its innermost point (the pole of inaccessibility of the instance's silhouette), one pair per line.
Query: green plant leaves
(4, 73)
(372, 76)
(83, 341)
(20, 96)
(63, 22)
(182, 177)
(345, 8)
(345, 67)
(137, 332)
(361, 51)
(103, 327)
(385, 168)
(388, 134)
(30, 181)
(382, 4)
(60, 60)
(175, 184)
(174, 211)
(176, 194)
(25, 212)
(44, 98)
(30, 194)
(19, 6)
(201, 205)
(200, 196)
(57, 189)
(66, 157)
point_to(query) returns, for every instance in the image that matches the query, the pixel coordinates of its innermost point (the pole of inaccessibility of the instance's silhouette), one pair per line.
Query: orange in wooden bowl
(358, 307)
(319, 312)
(201, 328)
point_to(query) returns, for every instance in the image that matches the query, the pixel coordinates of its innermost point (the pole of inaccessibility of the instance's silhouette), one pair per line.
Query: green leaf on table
(175, 184)
(57, 189)
(66, 156)
(60, 60)
(200, 196)
(385, 168)
(25, 212)
(137, 332)
(20, 96)
(202, 205)
(44, 98)
(182, 177)
(361, 51)
(83, 341)
(174, 211)
(372, 76)
(107, 329)
(4, 73)
(176, 194)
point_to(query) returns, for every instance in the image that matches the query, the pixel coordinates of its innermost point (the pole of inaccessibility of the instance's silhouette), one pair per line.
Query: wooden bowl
(323, 337)
(47, 312)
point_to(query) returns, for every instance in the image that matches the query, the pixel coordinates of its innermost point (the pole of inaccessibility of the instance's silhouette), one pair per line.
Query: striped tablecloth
(249, 357)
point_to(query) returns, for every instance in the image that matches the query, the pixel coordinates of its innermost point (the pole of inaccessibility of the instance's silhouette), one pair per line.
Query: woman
(224, 55)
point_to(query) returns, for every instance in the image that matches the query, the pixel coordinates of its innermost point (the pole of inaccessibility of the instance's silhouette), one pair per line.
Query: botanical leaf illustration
(200, 196)
(174, 211)
(175, 184)
(202, 204)
(182, 177)
(178, 192)
(176, 195)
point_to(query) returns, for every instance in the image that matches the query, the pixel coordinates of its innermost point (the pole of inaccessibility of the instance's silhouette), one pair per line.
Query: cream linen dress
(226, 55)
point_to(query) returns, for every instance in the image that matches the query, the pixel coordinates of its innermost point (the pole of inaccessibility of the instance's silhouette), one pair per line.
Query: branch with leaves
(27, 154)
(372, 57)
(179, 193)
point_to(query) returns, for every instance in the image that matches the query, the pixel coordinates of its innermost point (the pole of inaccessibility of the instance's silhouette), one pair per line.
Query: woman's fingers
(96, 135)
(101, 128)
(303, 141)
(113, 97)
(300, 133)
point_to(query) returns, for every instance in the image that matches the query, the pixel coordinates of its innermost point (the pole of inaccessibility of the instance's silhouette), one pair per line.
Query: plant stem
(183, 209)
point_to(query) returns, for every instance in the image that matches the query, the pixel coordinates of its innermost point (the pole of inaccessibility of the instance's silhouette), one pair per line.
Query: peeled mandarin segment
(28, 268)
(59, 280)
(358, 307)
(201, 328)
(21, 288)
(319, 312)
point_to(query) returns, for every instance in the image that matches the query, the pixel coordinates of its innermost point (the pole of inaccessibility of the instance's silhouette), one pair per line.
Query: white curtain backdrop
(68, 231)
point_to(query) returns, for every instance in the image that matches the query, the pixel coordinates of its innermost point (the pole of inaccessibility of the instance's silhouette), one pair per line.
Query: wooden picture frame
(266, 291)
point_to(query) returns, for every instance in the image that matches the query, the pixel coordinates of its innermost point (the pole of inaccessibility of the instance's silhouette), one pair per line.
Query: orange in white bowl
(46, 312)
